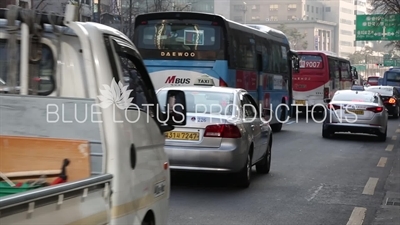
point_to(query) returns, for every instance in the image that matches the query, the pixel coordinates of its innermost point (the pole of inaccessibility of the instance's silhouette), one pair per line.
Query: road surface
(313, 181)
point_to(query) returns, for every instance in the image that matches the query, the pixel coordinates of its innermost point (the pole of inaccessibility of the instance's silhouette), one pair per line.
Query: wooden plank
(20, 153)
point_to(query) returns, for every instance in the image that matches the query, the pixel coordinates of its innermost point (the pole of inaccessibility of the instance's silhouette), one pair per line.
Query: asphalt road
(313, 181)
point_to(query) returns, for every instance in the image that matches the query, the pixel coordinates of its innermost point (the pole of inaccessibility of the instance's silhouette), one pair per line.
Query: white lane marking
(389, 148)
(370, 186)
(394, 137)
(357, 216)
(382, 162)
(315, 193)
(398, 131)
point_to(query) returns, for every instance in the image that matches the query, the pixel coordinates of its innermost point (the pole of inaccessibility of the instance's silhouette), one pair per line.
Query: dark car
(390, 96)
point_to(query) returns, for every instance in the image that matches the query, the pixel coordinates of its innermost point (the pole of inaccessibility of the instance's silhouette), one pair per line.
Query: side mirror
(327, 100)
(176, 108)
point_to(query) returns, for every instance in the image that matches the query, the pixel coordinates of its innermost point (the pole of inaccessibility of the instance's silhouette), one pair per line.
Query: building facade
(59, 6)
(329, 24)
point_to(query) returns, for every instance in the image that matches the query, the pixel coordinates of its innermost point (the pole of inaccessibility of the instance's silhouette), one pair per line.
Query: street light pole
(244, 12)
(130, 18)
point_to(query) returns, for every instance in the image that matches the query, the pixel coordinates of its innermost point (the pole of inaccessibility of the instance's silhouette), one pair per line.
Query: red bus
(321, 74)
(373, 80)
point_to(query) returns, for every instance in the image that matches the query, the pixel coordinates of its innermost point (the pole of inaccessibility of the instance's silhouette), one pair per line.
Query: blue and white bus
(178, 47)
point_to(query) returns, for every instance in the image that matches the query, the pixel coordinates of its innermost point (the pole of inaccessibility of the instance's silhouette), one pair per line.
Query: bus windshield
(311, 62)
(393, 76)
(178, 35)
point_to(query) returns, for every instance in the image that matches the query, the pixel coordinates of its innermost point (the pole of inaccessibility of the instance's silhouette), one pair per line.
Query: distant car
(356, 87)
(356, 112)
(390, 97)
(210, 142)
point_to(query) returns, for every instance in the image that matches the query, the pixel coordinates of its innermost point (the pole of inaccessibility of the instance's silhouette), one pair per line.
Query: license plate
(357, 112)
(187, 136)
(300, 102)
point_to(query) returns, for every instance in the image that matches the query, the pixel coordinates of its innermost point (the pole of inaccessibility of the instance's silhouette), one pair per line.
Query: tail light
(143, 22)
(375, 109)
(222, 83)
(332, 106)
(326, 92)
(392, 100)
(222, 131)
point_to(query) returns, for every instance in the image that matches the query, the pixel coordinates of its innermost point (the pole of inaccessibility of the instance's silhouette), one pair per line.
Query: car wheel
(397, 113)
(382, 136)
(264, 165)
(244, 175)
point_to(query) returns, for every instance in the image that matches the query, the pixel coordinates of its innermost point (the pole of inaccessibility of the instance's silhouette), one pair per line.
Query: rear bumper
(391, 108)
(227, 158)
(354, 128)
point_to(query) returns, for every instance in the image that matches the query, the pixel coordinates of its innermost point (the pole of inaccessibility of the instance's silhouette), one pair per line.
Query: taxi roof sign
(204, 80)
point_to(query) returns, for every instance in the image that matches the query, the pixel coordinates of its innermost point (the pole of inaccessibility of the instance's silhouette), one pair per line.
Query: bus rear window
(311, 62)
(393, 76)
(178, 35)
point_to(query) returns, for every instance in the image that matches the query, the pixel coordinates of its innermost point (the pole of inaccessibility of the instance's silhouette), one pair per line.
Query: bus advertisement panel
(177, 48)
(321, 74)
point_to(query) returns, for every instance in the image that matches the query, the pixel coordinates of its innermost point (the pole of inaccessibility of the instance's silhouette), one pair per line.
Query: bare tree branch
(387, 7)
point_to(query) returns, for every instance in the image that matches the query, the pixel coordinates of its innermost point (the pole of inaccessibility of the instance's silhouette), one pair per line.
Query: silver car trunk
(196, 125)
(352, 111)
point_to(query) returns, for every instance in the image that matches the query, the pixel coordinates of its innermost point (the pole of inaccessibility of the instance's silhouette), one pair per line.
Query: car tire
(244, 176)
(396, 114)
(326, 133)
(382, 136)
(264, 166)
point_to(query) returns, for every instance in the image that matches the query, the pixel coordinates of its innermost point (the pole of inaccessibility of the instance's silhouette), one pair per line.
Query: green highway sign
(360, 67)
(378, 27)
(391, 62)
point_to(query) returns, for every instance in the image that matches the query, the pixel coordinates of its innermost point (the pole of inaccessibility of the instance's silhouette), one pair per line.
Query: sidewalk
(389, 213)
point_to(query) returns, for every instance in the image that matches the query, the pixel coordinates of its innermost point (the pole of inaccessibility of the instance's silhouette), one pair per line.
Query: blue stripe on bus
(219, 69)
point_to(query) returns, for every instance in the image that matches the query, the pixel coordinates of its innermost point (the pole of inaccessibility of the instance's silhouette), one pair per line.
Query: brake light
(143, 22)
(222, 83)
(392, 100)
(223, 131)
(375, 109)
(332, 106)
(326, 92)
(214, 23)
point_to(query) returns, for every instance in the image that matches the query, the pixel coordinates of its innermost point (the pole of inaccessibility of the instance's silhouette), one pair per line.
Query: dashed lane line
(357, 216)
(370, 186)
(398, 131)
(382, 162)
(389, 148)
(394, 137)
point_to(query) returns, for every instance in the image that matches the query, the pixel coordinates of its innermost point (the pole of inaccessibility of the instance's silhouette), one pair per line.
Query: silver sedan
(356, 112)
(224, 133)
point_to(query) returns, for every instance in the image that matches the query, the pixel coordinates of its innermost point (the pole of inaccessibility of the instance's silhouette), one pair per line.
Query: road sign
(360, 67)
(391, 62)
(378, 27)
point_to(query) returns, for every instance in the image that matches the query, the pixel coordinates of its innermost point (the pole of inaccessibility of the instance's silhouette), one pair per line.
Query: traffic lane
(312, 181)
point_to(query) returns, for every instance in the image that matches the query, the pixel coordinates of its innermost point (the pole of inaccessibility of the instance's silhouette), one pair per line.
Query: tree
(296, 38)
(361, 57)
(387, 7)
